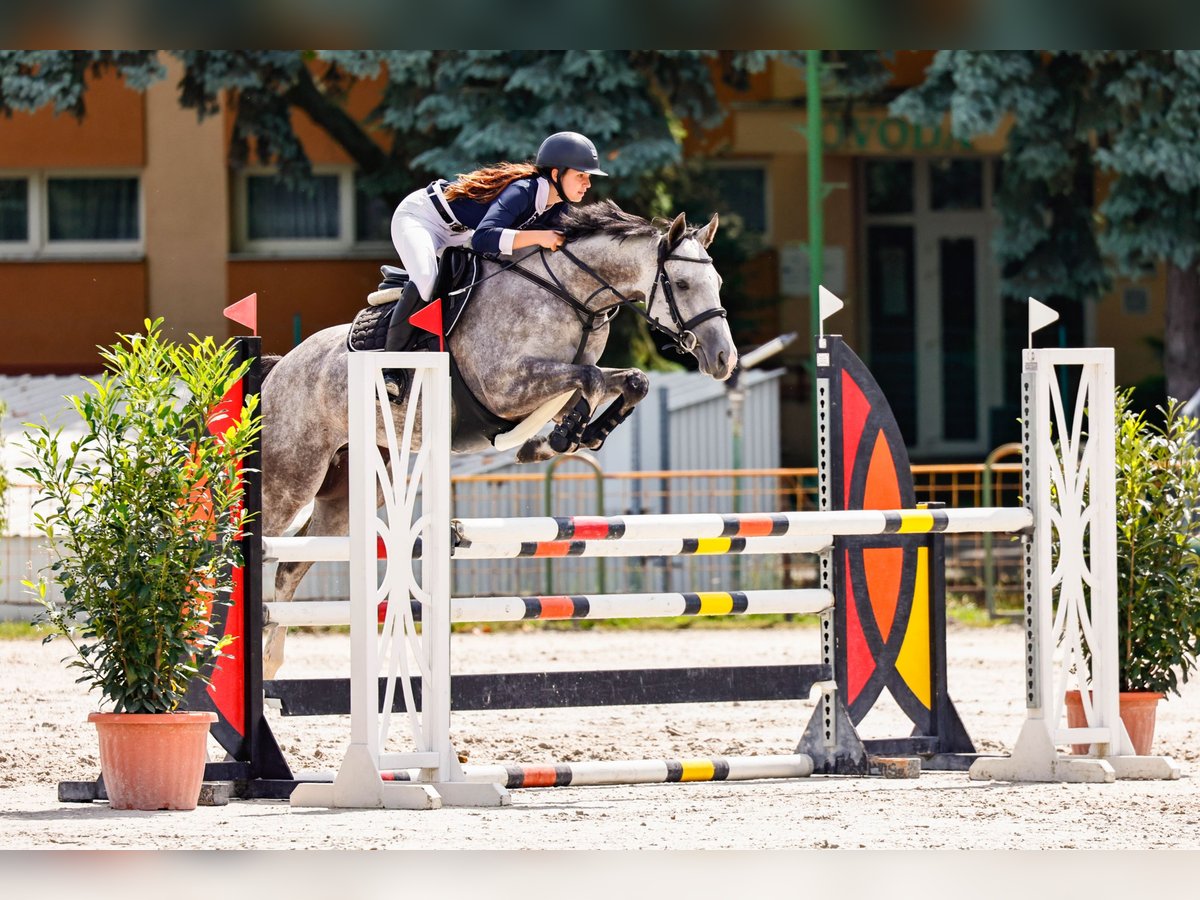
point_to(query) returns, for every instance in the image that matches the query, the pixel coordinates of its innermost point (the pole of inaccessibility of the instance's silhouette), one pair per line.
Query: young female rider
(488, 209)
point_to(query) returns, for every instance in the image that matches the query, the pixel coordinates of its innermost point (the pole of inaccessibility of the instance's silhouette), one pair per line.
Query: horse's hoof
(535, 450)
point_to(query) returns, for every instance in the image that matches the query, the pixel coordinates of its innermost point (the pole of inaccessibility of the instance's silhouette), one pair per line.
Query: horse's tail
(268, 362)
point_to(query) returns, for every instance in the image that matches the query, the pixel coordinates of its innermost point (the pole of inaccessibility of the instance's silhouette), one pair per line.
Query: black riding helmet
(567, 150)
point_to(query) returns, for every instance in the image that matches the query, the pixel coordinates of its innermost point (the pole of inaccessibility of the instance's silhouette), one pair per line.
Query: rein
(683, 337)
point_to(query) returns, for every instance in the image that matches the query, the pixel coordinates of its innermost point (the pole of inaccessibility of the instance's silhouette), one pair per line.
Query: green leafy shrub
(1158, 547)
(144, 516)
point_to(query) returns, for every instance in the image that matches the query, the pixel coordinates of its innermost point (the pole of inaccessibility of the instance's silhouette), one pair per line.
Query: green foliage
(144, 516)
(31, 79)
(442, 112)
(1048, 244)
(1152, 101)
(1158, 547)
(1132, 116)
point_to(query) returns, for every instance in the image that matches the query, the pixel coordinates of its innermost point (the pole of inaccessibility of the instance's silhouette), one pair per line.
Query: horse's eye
(683, 284)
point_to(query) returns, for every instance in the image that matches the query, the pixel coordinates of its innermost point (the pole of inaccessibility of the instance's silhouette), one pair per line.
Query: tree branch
(331, 118)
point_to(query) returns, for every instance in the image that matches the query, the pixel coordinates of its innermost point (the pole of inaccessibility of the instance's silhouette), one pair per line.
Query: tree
(1128, 120)
(439, 113)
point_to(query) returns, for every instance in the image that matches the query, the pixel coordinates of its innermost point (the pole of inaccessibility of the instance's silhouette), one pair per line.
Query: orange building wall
(323, 292)
(111, 133)
(62, 311)
(93, 299)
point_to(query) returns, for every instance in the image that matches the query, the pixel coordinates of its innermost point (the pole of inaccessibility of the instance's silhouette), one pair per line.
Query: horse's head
(685, 297)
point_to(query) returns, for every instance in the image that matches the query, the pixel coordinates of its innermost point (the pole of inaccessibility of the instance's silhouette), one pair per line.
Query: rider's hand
(551, 240)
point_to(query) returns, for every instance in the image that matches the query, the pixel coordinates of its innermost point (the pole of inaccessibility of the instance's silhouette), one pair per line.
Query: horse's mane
(605, 217)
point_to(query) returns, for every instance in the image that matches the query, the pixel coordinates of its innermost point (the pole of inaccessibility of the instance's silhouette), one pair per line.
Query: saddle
(475, 427)
(457, 275)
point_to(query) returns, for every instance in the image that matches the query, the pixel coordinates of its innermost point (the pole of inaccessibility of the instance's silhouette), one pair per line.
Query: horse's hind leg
(330, 516)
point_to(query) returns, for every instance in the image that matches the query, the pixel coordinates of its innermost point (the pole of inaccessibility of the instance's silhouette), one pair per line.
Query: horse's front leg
(629, 387)
(541, 380)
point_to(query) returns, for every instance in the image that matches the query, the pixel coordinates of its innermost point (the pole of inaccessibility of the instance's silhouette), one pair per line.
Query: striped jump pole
(673, 534)
(635, 771)
(857, 522)
(595, 606)
(337, 549)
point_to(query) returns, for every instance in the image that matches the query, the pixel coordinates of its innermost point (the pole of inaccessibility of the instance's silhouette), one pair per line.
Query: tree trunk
(1181, 344)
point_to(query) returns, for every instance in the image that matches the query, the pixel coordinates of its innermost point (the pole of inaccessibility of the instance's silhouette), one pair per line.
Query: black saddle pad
(369, 329)
(458, 273)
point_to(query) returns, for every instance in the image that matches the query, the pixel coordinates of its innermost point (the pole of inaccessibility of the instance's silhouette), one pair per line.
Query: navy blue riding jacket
(496, 224)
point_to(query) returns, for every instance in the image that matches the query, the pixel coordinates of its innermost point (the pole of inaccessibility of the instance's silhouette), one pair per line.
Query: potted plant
(143, 513)
(1158, 563)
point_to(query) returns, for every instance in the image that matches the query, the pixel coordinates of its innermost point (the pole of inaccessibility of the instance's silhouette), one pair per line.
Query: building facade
(135, 212)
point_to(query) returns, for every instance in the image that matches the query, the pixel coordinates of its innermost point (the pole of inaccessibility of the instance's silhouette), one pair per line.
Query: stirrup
(396, 382)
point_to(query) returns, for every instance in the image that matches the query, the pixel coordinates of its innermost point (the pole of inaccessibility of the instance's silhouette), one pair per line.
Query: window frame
(295, 247)
(38, 246)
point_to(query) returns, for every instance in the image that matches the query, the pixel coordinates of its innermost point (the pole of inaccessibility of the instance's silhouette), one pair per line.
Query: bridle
(683, 337)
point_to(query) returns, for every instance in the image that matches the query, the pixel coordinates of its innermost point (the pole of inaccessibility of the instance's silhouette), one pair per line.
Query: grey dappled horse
(519, 344)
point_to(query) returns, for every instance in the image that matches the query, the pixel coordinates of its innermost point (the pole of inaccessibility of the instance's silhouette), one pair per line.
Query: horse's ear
(706, 234)
(675, 232)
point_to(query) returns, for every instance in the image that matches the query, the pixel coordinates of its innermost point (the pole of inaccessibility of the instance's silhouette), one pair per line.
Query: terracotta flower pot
(1138, 711)
(152, 760)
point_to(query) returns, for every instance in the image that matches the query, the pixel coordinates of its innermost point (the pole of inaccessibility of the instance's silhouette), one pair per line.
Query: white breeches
(420, 236)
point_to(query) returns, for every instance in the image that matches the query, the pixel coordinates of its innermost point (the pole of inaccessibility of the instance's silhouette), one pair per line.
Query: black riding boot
(399, 335)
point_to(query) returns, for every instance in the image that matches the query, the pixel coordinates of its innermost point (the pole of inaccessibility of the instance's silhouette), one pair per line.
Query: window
(67, 213)
(329, 215)
(744, 190)
(275, 211)
(92, 209)
(889, 186)
(14, 210)
(956, 184)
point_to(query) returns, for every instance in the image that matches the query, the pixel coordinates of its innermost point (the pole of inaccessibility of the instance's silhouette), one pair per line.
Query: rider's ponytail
(484, 185)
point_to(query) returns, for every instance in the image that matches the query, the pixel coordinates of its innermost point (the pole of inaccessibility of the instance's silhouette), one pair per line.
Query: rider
(487, 208)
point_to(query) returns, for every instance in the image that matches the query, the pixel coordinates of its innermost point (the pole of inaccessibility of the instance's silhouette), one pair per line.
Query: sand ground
(44, 738)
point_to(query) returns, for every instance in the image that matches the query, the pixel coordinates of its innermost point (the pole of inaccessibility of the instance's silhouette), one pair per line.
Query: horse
(524, 339)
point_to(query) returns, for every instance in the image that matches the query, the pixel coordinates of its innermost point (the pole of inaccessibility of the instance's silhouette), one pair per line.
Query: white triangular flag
(1040, 315)
(828, 304)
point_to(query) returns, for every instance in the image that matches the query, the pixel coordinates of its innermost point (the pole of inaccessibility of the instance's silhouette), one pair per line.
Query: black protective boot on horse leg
(566, 435)
(399, 336)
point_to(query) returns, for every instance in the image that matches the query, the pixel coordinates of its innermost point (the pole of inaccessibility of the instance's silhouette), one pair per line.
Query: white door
(958, 336)
(935, 320)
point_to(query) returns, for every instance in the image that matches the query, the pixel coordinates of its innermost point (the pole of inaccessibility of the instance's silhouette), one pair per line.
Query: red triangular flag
(245, 312)
(430, 319)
